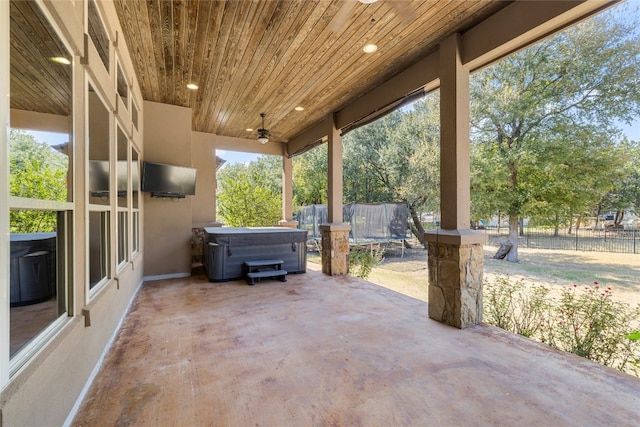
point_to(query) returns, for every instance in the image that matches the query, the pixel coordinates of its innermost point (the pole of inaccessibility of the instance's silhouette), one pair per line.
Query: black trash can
(34, 278)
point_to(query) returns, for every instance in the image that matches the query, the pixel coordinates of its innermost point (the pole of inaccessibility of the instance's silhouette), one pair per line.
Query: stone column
(335, 249)
(335, 235)
(455, 251)
(455, 277)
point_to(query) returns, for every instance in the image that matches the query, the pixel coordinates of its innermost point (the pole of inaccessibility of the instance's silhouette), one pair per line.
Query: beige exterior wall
(167, 222)
(203, 158)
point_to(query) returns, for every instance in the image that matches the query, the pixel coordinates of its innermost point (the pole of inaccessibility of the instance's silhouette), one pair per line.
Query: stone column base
(335, 249)
(455, 277)
(287, 223)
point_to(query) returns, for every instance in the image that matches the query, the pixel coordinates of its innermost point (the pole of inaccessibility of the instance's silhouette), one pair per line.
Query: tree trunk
(618, 219)
(570, 231)
(416, 227)
(556, 230)
(512, 256)
(521, 228)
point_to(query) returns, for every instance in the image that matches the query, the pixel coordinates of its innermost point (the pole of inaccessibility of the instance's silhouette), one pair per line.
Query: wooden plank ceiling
(249, 56)
(37, 82)
(271, 56)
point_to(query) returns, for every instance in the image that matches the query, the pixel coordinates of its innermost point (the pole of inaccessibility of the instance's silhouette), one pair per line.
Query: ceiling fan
(401, 7)
(263, 134)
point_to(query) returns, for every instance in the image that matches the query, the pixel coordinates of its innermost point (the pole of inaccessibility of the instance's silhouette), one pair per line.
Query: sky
(233, 157)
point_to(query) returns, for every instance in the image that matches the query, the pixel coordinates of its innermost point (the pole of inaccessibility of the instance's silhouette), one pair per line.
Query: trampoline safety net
(370, 222)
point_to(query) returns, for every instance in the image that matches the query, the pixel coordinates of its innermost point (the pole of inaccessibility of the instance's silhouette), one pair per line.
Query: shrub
(513, 306)
(588, 322)
(585, 321)
(363, 259)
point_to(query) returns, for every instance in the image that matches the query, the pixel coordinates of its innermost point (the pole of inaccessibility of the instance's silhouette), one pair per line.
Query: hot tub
(226, 249)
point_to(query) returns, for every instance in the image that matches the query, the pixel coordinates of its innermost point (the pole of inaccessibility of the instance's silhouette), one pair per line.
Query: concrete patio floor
(326, 351)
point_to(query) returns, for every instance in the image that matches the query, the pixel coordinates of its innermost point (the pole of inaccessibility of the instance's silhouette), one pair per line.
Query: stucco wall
(167, 222)
(203, 158)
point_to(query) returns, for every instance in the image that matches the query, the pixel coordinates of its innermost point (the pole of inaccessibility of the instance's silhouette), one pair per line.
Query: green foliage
(36, 172)
(545, 121)
(397, 158)
(310, 177)
(250, 195)
(511, 305)
(584, 321)
(589, 323)
(362, 259)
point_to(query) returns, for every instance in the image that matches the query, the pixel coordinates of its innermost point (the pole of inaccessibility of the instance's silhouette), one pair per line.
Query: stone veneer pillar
(455, 276)
(335, 249)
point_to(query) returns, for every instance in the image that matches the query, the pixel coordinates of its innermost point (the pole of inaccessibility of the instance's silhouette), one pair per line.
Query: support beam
(334, 189)
(335, 234)
(454, 137)
(287, 194)
(455, 252)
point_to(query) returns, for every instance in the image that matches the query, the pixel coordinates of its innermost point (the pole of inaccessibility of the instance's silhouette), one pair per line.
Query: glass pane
(98, 247)
(134, 115)
(121, 169)
(37, 286)
(135, 177)
(122, 237)
(41, 107)
(136, 232)
(98, 34)
(99, 134)
(123, 89)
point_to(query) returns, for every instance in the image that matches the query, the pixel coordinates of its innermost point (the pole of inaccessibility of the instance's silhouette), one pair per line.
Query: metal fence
(610, 240)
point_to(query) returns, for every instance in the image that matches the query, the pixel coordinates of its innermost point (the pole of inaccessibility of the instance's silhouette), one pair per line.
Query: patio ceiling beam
(512, 28)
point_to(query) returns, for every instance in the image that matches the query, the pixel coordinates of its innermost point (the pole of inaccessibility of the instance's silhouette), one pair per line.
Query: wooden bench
(256, 270)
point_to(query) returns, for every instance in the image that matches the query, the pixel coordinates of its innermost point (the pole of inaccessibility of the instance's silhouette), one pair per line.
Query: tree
(397, 158)
(37, 171)
(547, 115)
(625, 194)
(247, 194)
(310, 177)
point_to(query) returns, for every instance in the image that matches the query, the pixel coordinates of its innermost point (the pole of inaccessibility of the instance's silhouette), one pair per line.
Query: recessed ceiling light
(370, 48)
(367, 1)
(299, 108)
(60, 60)
(249, 130)
(192, 86)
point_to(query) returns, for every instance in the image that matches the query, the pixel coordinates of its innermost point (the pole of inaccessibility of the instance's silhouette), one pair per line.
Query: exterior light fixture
(60, 60)
(263, 134)
(370, 48)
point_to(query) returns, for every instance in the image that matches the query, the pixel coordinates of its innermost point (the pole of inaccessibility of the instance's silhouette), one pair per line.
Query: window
(122, 87)
(40, 180)
(134, 114)
(97, 33)
(135, 208)
(99, 137)
(122, 169)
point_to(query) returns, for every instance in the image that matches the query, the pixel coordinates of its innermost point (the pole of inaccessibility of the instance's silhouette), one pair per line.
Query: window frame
(11, 366)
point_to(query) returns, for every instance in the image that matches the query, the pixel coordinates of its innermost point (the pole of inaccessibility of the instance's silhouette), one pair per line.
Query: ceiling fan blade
(342, 15)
